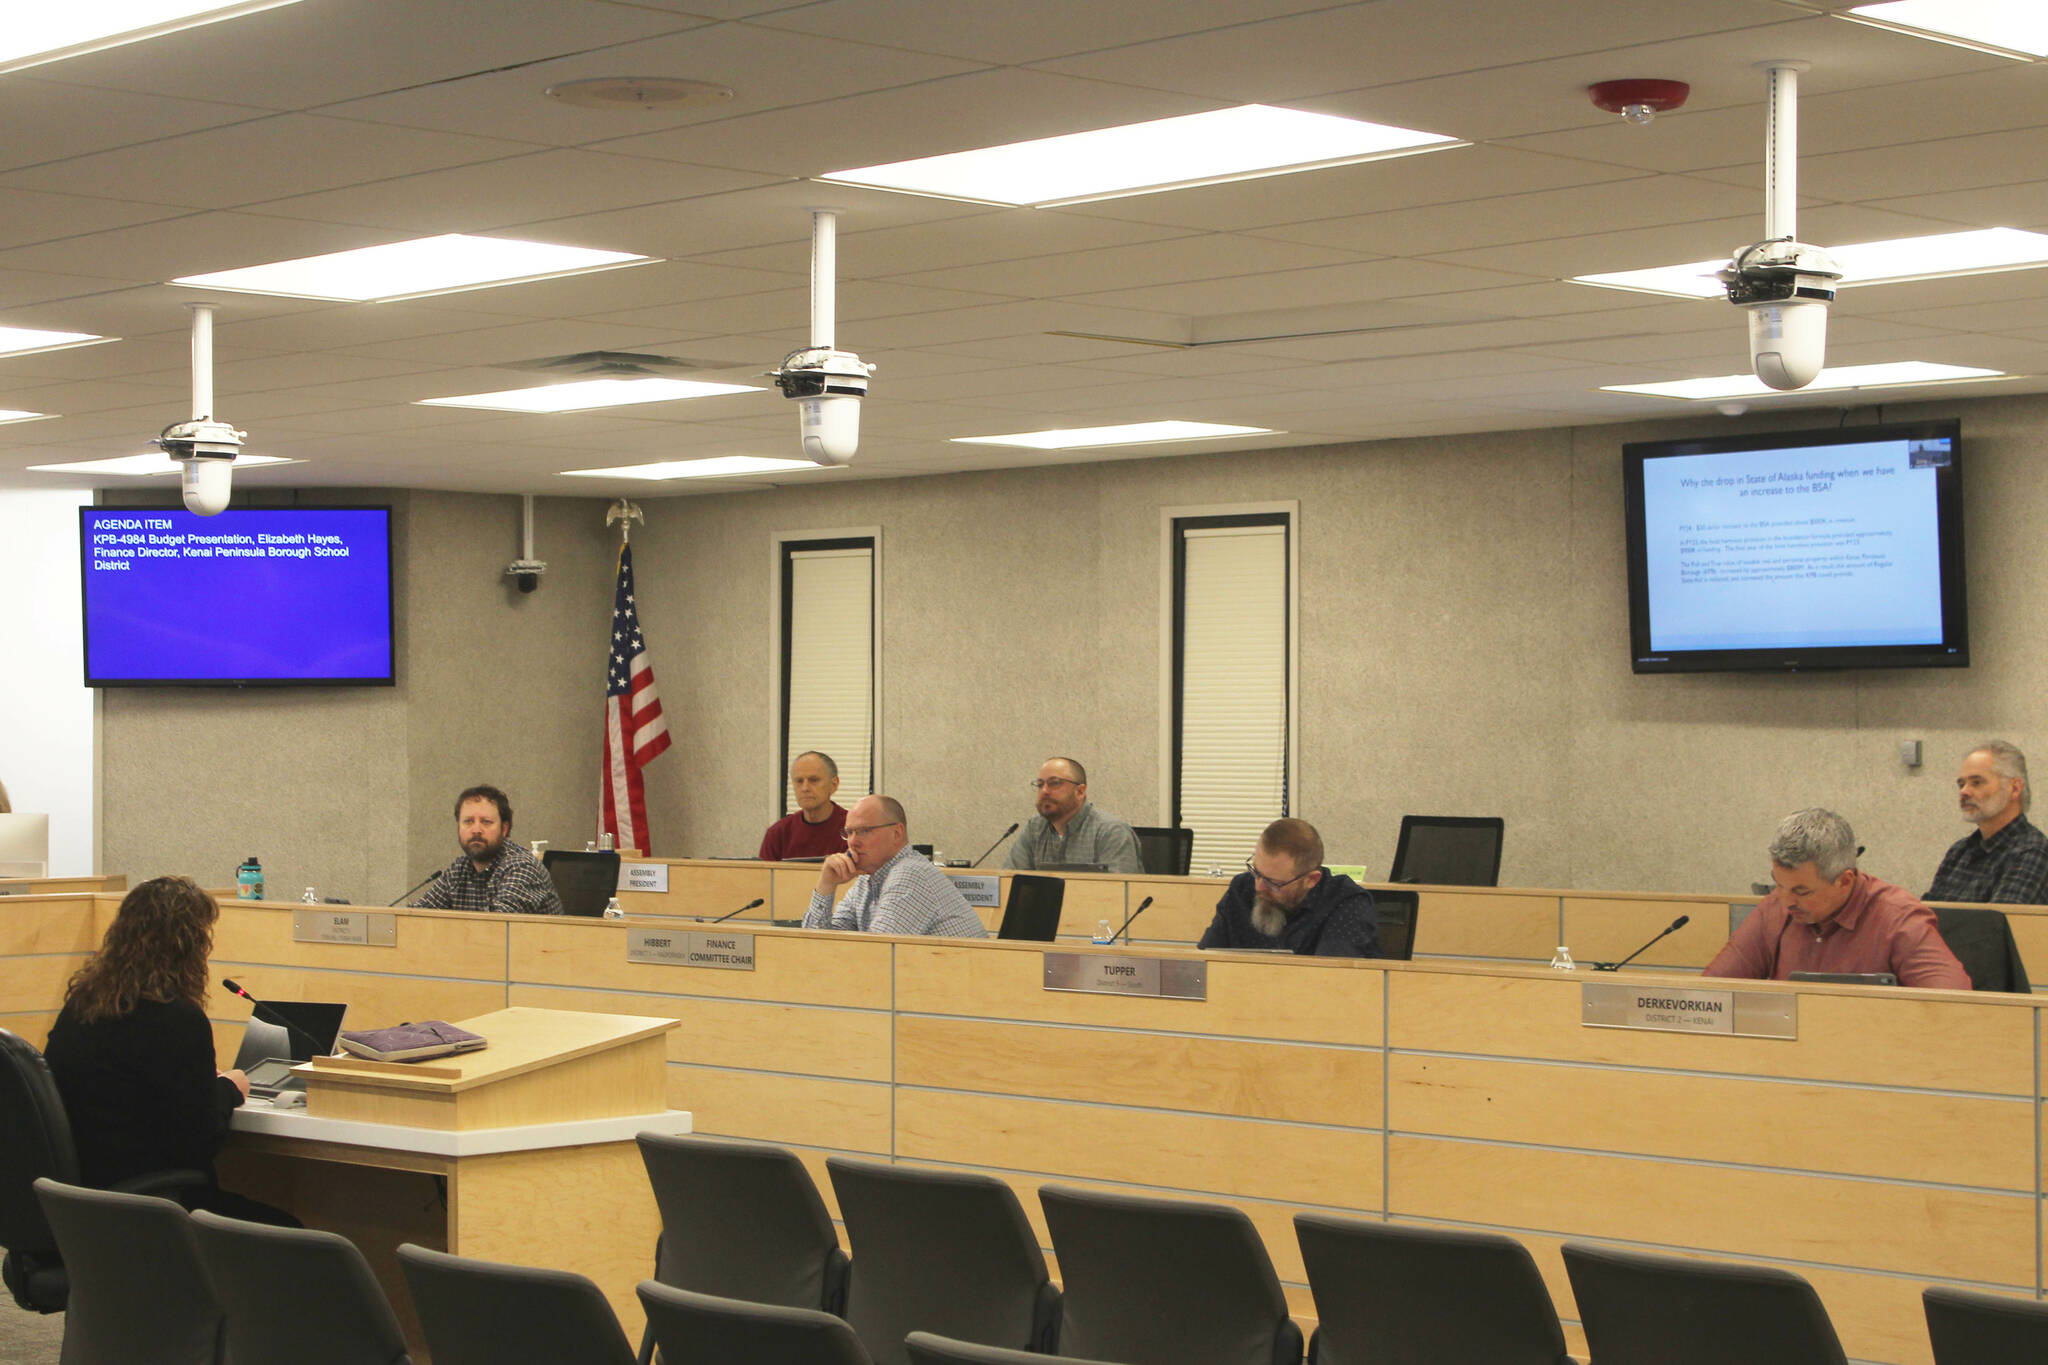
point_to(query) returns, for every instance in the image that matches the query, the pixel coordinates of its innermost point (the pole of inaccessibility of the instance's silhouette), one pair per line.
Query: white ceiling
(1424, 295)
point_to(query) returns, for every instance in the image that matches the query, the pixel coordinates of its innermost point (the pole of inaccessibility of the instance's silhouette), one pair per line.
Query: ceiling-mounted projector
(204, 448)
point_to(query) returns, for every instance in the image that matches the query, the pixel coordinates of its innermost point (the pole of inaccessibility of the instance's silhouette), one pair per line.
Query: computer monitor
(24, 845)
(584, 881)
(314, 1027)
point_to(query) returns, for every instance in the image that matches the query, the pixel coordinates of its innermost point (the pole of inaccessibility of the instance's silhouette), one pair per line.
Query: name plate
(643, 877)
(1116, 974)
(344, 926)
(1689, 1009)
(669, 948)
(984, 891)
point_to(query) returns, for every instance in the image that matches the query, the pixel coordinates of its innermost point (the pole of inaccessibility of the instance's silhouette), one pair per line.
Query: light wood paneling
(1197, 1153)
(1452, 923)
(703, 888)
(1719, 1119)
(2030, 935)
(1182, 908)
(1608, 929)
(1092, 898)
(613, 1082)
(1863, 1036)
(850, 1116)
(793, 885)
(848, 1044)
(33, 1027)
(48, 924)
(429, 944)
(1300, 1082)
(374, 1000)
(57, 886)
(1324, 1000)
(1916, 1230)
(791, 966)
(33, 985)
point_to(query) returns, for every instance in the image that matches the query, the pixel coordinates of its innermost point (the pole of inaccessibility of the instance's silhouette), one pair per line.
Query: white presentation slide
(1830, 546)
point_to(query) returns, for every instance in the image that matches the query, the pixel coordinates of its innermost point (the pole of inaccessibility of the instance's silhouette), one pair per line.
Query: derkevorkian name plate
(668, 947)
(1115, 974)
(1689, 1009)
(345, 926)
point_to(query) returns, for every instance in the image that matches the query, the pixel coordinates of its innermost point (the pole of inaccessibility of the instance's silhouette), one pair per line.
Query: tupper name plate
(1118, 974)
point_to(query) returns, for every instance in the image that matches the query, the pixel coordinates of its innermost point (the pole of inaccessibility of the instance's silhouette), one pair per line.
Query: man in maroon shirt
(814, 828)
(1826, 916)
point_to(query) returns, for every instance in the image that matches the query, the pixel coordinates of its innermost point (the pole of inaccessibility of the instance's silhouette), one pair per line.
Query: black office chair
(1165, 1282)
(1165, 851)
(35, 1142)
(1389, 1294)
(941, 1251)
(1984, 1329)
(296, 1297)
(1397, 914)
(703, 1329)
(138, 1291)
(1033, 909)
(928, 1348)
(1982, 941)
(1449, 850)
(1639, 1309)
(482, 1313)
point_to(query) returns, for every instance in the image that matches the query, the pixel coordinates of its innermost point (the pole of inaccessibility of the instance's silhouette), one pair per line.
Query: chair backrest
(1033, 909)
(1639, 1309)
(1390, 1294)
(1449, 850)
(296, 1297)
(1397, 914)
(262, 1040)
(1165, 851)
(1982, 941)
(940, 1251)
(1984, 1329)
(743, 1220)
(929, 1348)
(35, 1141)
(482, 1313)
(1165, 1282)
(138, 1292)
(703, 1329)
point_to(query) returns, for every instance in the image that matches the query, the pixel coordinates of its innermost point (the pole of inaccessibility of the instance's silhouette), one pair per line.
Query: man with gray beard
(1285, 898)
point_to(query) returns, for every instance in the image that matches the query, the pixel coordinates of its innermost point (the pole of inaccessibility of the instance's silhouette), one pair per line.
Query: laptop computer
(270, 1051)
(584, 881)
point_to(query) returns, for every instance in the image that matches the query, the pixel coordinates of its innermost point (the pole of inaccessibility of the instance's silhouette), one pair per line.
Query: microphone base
(1606, 966)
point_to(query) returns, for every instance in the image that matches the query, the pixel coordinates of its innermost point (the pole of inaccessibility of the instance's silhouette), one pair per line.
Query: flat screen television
(1790, 551)
(253, 597)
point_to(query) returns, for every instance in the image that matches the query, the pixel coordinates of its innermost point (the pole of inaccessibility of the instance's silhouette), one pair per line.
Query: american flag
(634, 731)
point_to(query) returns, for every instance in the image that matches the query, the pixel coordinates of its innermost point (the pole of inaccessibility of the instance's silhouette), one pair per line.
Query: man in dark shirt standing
(493, 874)
(1286, 898)
(2006, 859)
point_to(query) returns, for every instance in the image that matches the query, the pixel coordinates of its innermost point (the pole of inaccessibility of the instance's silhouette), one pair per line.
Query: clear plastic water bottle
(606, 843)
(1561, 961)
(249, 880)
(311, 897)
(1104, 935)
(612, 909)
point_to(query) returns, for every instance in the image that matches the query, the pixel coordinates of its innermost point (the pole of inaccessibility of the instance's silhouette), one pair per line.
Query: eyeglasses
(853, 832)
(1261, 879)
(1041, 783)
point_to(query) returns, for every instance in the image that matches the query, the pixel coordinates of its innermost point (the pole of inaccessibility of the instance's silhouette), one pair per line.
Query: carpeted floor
(29, 1338)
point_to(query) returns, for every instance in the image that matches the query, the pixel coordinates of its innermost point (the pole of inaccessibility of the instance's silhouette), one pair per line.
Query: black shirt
(1336, 919)
(142, 1091)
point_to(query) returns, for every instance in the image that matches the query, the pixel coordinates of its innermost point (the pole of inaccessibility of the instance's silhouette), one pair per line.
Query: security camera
(1786, 287)
(828, 385)
(526, 573)
(205, 451)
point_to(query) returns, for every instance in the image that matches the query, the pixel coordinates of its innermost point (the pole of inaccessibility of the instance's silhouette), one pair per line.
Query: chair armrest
(164, 1184)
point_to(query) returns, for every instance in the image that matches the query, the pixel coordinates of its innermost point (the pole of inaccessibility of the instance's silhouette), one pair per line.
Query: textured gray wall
(1464, 650)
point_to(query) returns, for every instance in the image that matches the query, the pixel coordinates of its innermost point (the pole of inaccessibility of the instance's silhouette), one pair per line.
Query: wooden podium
(522, 1152)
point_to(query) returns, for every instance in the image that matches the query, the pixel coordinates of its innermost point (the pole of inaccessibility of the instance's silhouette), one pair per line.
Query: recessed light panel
(1130, 434)
(2012, 28)
(17, 415)
(35, 34)
(1979, 252)
(586, 394)
(1142, 158)
(146, 464)
(408, 270)
(1844, 377)
(27, 340)
(716, 467)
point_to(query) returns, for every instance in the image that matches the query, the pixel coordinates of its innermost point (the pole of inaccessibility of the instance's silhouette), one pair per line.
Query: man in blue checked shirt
(895, 888)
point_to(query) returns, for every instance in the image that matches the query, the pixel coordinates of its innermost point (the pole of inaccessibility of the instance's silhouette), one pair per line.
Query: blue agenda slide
(1829, 546)
(251, 595)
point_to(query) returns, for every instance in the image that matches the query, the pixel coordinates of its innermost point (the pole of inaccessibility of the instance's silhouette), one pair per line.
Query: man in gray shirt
(1068, 830)
(895, 888)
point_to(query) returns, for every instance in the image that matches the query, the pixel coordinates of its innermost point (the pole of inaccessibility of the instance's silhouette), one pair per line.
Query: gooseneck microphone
(730, 913)
(1014, 827)
(1124, 932)
(406, 896)
(1676, 925)
(271, 1016)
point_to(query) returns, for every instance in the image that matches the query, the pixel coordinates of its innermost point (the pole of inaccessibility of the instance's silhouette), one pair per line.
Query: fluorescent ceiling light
(716, 467)
(146, 464)
(1142, 158)
(17, 415)
(35, 34)
(1844, 377)
(2008, 28)
(27, 340)
(1977, 252)
(587, 393)
(409, 270)
(1130, 434)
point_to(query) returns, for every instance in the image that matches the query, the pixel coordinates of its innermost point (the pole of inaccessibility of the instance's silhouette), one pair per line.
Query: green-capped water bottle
(249, 880)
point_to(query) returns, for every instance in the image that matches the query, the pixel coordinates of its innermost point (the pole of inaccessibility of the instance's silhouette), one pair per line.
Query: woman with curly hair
(132, 1052)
